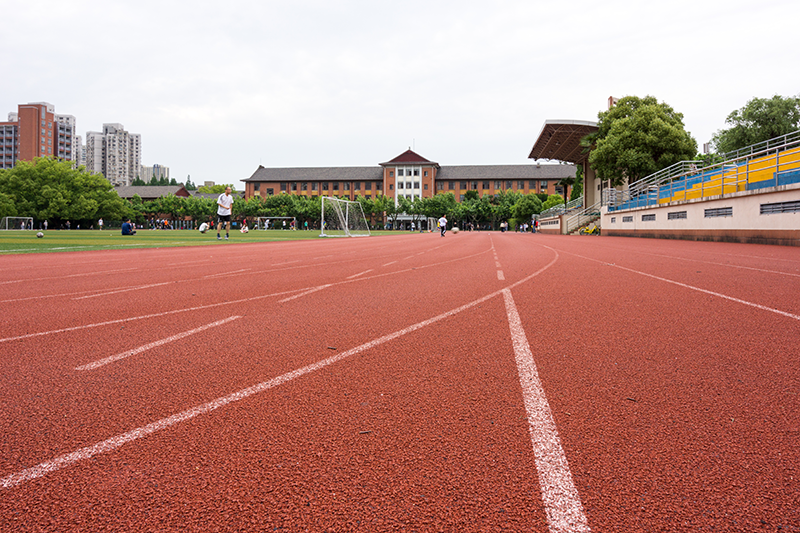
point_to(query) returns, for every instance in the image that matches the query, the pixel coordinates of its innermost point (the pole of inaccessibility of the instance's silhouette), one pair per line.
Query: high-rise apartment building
(156, 171)
(35, 130)
(114, 153)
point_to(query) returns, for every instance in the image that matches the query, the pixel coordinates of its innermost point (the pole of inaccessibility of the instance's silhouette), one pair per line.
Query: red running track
(480, 382)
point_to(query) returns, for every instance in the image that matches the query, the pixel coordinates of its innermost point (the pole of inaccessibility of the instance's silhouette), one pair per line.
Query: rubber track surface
(373, 385)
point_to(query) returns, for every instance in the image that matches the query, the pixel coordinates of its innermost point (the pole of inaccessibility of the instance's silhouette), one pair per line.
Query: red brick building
(408, 174)
(35, 130)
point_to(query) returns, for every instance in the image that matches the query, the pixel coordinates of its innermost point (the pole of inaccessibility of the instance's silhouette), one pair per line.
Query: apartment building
(35, 130)
(114, 153)
(156, 171)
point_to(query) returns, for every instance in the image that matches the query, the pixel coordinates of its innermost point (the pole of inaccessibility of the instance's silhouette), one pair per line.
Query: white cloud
(217, 88)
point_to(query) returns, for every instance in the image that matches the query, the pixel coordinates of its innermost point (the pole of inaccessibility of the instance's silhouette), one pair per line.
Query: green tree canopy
(637, 137)
(215, 189)
(526, 207)
(759, 120)
(48, 189)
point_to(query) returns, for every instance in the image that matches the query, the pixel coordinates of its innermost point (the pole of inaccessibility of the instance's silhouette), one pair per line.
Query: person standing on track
(443, 225)
(225, 203)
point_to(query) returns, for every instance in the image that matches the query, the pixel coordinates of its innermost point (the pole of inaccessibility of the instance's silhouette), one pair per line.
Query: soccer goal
(343, 218)
(16, 223)
(276, 223)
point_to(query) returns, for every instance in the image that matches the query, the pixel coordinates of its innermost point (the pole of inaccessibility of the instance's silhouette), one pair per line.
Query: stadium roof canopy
(561, 140)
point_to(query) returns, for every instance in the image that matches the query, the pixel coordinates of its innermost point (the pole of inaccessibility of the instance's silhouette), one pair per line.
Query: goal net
(276, 223)
(343, 218)
(16, 223)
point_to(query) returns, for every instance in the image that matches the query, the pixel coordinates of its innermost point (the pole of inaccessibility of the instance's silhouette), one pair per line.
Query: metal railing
(560, 209)
(583, 217)
(752, 167)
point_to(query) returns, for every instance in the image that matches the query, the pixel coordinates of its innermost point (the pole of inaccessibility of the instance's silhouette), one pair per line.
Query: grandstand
(753, 195)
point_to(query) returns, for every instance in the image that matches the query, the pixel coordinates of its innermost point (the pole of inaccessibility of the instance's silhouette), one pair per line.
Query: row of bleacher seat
(781, 168)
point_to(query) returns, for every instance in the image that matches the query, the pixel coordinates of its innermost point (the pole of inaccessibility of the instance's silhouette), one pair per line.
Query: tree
(48, 189)
(215, 189)
(638, 137)
(552, 201)
(526, 207)
(759, 120)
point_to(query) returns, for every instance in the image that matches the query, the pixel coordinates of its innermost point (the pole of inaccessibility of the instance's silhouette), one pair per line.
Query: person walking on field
(224, 203)
(443, 225)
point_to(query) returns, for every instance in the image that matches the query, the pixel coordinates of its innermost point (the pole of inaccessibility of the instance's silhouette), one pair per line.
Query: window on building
(408, 185)
(391, 186)
(509, 185)
(358, 186)
(400, 184)
(304, 186)
(346, 185)
(485, 185)
(461, 198)
(439, 186)
(520, 185)
(425, 174)
(294, 185)
(336, 186)
(324, 185)
(283, 186)
(270, 192)
(256, 186)
(426, 186)
(416, 172)
(474, 185)
(314, 185)
(498, 184)
(543, 184)
(399, 171)
(391, 173)
(451, 185)
(532, 184)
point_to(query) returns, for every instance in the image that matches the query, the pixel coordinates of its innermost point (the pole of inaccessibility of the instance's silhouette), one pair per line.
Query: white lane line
(692, 287)
(561, 499)
(155, 344)
(68, 276)
(359, 274)
(500, 275)
(390, 263)
(113, 443)
(144, 317)
(222, 274)
(304, 293)
(123, 290)
(497, 263)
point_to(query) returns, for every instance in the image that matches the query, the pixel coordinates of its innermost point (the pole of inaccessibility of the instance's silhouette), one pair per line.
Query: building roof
(561, 140)
(505, 172)
(150, 192)
(317, 174)
(456, 172)
(409, 158)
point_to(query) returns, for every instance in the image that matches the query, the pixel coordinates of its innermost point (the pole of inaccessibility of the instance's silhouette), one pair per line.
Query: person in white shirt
(224, 203)
(443, 225)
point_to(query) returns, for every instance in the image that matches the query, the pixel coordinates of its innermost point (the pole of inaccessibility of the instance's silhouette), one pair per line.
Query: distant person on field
(127, 228)
(100, 224)
(443, 225)
(224, 203)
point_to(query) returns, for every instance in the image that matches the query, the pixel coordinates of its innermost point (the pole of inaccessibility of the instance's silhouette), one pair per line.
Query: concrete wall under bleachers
(735, 217)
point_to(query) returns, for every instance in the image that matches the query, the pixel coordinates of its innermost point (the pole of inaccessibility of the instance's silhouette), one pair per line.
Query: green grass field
(24, 242)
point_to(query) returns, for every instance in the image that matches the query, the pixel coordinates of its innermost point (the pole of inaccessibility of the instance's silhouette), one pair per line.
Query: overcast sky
(216, 88)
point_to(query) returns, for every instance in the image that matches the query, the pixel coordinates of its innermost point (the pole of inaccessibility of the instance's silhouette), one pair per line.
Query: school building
(409, 175)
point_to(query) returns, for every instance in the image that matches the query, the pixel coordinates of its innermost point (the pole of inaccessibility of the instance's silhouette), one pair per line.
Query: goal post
(263, 223)
(342, 218)
(8, 223)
